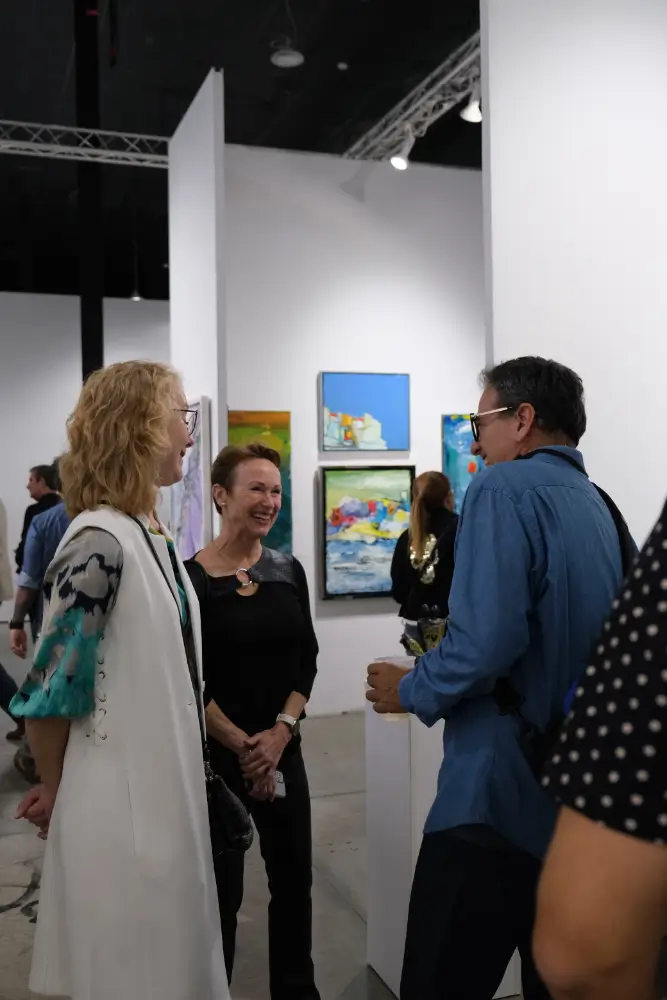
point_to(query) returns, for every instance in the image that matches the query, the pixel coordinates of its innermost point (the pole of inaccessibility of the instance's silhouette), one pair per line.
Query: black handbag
(229, 821)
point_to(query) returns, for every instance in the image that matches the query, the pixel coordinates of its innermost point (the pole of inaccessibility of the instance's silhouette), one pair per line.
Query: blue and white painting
(365, 411)
(365, 512)
(458, 464)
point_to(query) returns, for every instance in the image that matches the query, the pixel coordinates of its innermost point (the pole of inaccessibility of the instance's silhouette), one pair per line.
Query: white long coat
(128, 907)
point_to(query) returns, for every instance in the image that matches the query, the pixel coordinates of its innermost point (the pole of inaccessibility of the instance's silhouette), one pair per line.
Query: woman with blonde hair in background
(423, 563)
(127, 903)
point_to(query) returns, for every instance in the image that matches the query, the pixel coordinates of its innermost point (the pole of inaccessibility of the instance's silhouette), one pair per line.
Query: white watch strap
(289, 720)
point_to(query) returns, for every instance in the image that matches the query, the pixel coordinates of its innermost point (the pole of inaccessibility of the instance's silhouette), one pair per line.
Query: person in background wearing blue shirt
(538, 563)
(43, 538)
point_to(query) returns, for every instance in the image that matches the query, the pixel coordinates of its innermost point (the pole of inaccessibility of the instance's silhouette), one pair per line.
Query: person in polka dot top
(603, 895)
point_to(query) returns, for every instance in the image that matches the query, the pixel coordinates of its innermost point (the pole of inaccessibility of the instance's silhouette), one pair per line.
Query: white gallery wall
(40, 377)
(196, 262)
(318, 280)
(575, 161)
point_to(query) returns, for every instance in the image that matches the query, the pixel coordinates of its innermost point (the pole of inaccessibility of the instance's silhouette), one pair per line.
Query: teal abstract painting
(458, 464)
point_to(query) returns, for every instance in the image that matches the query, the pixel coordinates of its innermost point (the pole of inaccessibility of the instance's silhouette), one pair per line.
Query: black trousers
(470, 908)
(285, 842)
(8, 689)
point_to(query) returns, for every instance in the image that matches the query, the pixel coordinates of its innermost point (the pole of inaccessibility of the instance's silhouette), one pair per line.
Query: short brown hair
(118, 436)
(224, 468)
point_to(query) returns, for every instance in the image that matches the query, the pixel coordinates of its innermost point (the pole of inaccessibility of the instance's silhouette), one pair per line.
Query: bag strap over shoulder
(625, 540)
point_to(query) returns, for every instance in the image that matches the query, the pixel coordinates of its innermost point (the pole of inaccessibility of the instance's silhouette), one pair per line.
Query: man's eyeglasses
(190, 418)
(474, 418)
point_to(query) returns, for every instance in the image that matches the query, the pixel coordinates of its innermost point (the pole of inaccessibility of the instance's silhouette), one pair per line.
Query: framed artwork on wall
(191, 511)
(458, 464)
(271, 428)
(364, 512)
(364, 411)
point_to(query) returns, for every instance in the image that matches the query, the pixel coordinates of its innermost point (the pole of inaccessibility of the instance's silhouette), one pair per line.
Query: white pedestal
(403, 758)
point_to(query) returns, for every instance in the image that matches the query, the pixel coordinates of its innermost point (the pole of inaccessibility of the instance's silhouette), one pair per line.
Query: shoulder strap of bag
(508, 700)
(192, 666)
(626, 543)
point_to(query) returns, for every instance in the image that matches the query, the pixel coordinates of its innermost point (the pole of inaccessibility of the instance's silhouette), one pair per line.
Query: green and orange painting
(272, 428)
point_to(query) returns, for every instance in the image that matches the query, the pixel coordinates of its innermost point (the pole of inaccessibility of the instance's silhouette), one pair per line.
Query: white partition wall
(196, 264)
(320, 280)
(575, 161)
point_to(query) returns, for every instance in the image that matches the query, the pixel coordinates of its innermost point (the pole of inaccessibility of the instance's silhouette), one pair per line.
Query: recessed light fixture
(342, 66)
(287, 58)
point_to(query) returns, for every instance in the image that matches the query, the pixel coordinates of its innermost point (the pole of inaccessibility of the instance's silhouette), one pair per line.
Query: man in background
(44, 535)
(538, 563)
(43, 486)
(8, 686)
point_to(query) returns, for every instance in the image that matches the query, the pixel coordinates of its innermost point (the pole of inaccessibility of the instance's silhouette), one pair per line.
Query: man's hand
(37, 807)
(264, 751)
(383, 680)
(18, 642)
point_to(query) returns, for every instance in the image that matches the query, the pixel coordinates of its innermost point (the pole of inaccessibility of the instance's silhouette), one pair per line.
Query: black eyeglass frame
(474, 418)
(191, 418)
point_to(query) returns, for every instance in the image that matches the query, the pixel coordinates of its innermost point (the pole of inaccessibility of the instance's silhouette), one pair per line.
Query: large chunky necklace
(425, 562)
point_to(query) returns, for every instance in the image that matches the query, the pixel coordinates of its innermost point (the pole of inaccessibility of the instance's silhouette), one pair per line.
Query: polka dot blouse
(611, 761)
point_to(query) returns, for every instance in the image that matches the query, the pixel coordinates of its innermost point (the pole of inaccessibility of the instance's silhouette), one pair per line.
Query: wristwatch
(15, 624)
(290, 721)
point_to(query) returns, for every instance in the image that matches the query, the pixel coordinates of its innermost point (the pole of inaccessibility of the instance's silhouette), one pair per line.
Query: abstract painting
(365, 510)
(457, 462)
(191, 521)
(364, 412)
(272, 428)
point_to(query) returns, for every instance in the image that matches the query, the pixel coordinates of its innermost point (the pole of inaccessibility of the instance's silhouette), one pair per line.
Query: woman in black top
(423, 563)
(259, 653)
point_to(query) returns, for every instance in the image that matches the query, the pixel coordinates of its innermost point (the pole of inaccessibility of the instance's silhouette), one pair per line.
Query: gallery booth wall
(576, 218)
(388, 278)
(320, 280)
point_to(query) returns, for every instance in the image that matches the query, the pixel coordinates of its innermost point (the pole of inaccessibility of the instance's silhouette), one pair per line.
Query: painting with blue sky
(365, 411)
(458, 463)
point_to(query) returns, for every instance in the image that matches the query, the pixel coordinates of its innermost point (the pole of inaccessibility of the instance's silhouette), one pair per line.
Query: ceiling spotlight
(399, 161)
(472, 112)
(135, 297)
(342, 66)
(285, 57)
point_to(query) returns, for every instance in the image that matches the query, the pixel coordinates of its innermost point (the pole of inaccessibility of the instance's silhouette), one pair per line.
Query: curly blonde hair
(118, 436)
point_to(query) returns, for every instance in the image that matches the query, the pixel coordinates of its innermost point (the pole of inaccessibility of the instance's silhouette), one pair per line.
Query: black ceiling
(164, 51)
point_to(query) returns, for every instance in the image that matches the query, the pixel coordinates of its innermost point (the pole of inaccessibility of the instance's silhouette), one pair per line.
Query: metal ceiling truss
(57, 142)
(442, 90)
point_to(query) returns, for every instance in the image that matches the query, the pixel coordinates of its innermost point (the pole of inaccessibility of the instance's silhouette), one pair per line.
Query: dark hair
(48, 474)
(429, 494)
(555, 392)
(224, 468)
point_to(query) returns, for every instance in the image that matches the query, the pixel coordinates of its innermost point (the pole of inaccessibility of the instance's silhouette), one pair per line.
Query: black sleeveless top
(258, 649)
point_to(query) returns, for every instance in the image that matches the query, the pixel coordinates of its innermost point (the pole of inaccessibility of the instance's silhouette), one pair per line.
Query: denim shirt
(538, 564)
(44, 537)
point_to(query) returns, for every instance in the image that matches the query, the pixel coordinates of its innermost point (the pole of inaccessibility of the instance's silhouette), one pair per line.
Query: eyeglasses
(190, 418)
(474, 418)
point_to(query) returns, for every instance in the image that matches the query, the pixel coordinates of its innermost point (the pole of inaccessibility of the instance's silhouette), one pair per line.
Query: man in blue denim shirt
(44, 537)
(538, 563)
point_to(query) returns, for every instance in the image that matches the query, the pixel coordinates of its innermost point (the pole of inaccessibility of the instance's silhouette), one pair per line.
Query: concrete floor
(334, 750)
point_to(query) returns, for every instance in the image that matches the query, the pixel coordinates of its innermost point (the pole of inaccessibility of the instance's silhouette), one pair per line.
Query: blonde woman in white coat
(127, 904)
